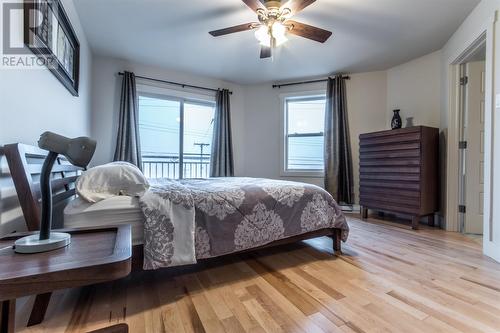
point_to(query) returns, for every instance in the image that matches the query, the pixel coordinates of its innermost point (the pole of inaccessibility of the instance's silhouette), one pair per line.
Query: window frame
(285, 99)
(183, 98)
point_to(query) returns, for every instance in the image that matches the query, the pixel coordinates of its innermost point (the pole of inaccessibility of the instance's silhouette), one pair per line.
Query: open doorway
(472, 141)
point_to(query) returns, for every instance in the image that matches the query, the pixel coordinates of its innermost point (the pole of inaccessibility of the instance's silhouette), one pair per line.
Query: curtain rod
(183, 85)
(305, 82)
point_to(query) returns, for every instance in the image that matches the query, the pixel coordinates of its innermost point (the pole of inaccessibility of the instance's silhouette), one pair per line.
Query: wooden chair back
(25, 165)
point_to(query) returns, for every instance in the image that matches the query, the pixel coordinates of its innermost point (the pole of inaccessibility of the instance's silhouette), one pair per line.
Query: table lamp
(79, 152)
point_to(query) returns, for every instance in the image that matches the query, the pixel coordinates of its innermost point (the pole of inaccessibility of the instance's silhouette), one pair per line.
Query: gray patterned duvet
(202, 218)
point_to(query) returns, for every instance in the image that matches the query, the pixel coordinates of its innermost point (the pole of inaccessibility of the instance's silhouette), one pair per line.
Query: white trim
(491, 246)
(283, 136)
(302, 174)
(351, 208)
(454, 127)
(452, 158)
(480, 30)
(308, 93)
(182, 97)
(146, 87)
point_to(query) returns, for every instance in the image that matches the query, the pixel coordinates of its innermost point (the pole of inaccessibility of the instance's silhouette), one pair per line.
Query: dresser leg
(430, 220)
(414, 222)
(7, 316)
(364, 213)
(39, 309)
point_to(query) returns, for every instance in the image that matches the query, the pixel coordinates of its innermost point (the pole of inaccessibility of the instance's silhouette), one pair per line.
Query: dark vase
(396, 120)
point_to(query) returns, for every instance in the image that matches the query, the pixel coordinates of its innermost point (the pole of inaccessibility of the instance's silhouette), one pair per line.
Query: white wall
(415, 88)
(367, 109)
(255, 114)
(34, 101)
(106, 102)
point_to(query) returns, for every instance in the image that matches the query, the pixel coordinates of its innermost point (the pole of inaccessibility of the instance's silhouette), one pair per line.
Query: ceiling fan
(274, 24)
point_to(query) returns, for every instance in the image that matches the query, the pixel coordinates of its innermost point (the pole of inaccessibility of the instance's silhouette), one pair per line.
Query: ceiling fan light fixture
(263, 36)
(279, 31)
(274, 24)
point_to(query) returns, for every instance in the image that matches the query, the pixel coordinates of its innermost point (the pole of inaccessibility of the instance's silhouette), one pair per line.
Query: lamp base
(33, 244)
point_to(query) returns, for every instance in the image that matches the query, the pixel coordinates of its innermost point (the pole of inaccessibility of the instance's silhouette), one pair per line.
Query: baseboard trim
(351, 209)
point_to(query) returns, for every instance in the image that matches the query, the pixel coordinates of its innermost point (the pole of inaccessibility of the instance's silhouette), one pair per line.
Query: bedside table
(95, 255)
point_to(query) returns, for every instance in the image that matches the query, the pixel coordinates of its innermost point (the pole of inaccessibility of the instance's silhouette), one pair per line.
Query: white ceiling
(368, 35)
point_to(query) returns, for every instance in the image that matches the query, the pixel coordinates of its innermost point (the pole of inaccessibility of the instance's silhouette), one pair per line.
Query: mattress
(113, 211)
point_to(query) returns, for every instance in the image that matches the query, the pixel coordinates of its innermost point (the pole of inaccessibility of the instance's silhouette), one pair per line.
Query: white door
(474, 135)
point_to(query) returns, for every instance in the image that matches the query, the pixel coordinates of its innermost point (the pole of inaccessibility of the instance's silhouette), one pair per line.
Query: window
(176, 135)
(304, 135)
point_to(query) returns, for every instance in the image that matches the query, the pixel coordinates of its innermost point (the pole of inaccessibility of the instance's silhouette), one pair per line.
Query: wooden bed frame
(25, 164)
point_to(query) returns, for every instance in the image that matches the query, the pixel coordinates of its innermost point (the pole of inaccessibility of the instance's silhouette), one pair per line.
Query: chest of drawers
(399, 172)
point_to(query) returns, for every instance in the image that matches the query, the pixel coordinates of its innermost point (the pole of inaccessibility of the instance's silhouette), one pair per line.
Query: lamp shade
(78, 151)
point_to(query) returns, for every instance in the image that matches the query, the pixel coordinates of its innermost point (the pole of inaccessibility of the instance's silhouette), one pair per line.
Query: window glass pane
(306, 116)
(159, 128)
(305, 121)
(198, 128)
(305, 153)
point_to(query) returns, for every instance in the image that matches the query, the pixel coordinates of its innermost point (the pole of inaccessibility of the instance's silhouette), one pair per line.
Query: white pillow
(110, 180)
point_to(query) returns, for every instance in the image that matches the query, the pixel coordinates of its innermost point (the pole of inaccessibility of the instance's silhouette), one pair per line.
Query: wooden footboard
(335, 234)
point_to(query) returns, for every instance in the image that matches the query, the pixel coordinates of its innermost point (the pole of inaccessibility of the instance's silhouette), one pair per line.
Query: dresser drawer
(413, 132)
(390, 206)
(389, 193)
(403, 162)
(393, 154)
(410, 186)
(415, 177)
(389, 169)
(392, 199)
(390, 147)
(390, 139)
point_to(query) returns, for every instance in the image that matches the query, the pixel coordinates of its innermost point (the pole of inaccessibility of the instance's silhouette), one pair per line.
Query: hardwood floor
(389, 279)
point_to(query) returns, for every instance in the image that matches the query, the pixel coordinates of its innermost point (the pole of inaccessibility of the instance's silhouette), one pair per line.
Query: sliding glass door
(159, 128)
(176, 135)
(198, 125)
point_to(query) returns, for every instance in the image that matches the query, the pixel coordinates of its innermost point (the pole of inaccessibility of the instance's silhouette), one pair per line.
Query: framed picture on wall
(48, 34)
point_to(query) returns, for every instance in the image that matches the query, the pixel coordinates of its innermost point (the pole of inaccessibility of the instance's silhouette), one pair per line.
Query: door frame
(485, 35)
(455, 134)
(466, 154)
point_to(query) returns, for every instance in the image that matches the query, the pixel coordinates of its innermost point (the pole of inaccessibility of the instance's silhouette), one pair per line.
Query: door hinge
(464, 80)
(462, 145)
(462, 209)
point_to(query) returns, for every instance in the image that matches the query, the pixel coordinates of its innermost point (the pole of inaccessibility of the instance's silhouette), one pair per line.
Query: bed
(181, 221)
(25, 165)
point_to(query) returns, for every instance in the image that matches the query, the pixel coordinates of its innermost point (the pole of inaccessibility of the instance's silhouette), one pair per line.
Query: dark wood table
(95, 255)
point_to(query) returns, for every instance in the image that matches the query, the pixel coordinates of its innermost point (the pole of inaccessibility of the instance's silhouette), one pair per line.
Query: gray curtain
(221, 162)
(128, 144)
(338, 158)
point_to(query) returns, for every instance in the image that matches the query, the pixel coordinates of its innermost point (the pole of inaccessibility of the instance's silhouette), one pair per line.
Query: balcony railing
(168, 166)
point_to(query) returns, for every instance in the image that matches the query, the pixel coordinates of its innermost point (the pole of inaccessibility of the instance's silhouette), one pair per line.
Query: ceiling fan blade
(297, 5)
(253, 4)
(265, 52)
(308, 31)
(231, 30)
